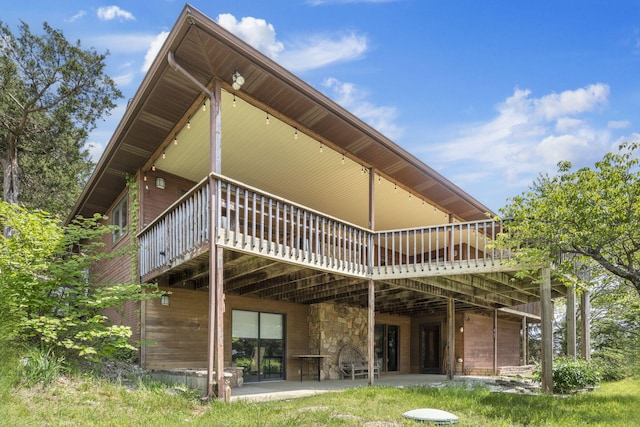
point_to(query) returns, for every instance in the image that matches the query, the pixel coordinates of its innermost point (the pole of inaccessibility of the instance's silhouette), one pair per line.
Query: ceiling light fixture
(237, 80)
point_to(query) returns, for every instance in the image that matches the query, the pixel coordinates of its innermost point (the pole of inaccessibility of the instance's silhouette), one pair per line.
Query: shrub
(571, 375)
(41, 366)
(612, 365)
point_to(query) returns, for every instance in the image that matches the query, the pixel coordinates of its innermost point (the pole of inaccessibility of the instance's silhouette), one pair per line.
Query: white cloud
(154, 48)
(301, 55)
(572, 101)
(527, 136)
(618, 124)
(356, 101)
(320, 51)
(75, 17)
(257, 32)
(109, 13)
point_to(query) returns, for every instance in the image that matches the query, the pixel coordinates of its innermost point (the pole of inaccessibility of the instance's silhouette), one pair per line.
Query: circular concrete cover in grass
(436, 416)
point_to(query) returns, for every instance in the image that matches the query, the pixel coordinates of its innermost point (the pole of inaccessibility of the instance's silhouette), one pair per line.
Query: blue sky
(490, 94)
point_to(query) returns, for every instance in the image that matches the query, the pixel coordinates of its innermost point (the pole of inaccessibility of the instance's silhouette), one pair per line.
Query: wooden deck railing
(253, 221)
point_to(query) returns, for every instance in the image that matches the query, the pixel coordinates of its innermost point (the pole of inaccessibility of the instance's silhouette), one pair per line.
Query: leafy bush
(571, 375)
(612, 365)
(45, 292)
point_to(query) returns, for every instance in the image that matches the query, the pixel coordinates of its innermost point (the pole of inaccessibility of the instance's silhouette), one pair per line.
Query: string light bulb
(204, 105)
(295, 134)
(267, 121)
(189, 123)
(175, 140)
(321, 147)
(153, 167)
(164, 154)
(234, 100)
(343, 158)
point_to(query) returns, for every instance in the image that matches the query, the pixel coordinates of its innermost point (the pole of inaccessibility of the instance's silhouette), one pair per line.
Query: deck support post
(571, 322)
(585, 313)
(525, 341)
(495, 342)
(451, 338)
(547, 330)
(215, 355)
(371, 352)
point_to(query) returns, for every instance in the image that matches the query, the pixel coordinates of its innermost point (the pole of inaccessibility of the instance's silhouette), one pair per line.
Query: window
(258, 344)
(119, 219)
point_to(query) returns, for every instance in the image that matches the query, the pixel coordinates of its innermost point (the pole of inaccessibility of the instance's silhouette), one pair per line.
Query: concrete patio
(279, 390)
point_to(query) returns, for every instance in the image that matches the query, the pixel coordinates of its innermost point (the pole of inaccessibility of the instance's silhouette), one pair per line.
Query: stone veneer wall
(333, 326)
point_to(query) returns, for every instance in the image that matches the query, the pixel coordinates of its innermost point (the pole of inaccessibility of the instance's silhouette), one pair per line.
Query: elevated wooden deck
(272, 241)
(251, 221)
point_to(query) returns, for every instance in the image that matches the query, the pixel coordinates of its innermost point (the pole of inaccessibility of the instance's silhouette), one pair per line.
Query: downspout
(172, 61)
(214, 302)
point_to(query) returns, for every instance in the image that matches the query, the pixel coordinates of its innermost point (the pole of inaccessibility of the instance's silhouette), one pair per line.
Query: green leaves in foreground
(46, 296)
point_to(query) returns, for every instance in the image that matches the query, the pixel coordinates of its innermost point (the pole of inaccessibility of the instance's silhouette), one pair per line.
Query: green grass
(88, 402)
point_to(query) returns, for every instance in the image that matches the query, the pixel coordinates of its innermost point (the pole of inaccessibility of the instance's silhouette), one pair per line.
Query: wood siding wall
(179, 330)
(479, 345)
(118, 270)
(153, 201)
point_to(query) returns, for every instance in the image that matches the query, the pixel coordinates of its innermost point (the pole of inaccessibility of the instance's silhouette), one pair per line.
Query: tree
(586, 216)
(52, 93)
(46, 296)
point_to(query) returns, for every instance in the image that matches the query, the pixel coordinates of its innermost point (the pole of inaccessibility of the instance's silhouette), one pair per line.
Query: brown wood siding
(178, 331)
(478, 335)
(404, 361)
(118, 270)
(508, 343)
(153, 200)
(478, 349)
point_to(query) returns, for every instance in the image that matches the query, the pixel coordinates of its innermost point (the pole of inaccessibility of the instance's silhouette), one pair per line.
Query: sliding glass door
(258, 344)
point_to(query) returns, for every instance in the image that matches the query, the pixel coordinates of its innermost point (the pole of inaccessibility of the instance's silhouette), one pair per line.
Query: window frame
(120, 218)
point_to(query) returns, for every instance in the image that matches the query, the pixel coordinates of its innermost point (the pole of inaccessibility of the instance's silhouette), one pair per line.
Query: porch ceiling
(256, 277)
(269, 159)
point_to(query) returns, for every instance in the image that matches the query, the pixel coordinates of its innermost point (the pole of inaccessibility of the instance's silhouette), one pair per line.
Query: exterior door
(258, 345)
(430, 348)
(386, 339)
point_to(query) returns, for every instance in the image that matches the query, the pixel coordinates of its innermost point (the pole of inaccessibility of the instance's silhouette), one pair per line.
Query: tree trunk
(11, 190)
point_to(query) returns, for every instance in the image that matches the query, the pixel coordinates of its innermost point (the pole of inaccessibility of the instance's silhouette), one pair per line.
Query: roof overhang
(209, 52)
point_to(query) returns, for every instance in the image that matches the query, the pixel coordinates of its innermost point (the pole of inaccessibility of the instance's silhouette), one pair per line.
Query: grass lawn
(88, 402)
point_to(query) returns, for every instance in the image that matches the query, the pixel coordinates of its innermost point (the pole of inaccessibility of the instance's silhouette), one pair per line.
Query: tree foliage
(45, 292)
(583, 216)
(52, 93)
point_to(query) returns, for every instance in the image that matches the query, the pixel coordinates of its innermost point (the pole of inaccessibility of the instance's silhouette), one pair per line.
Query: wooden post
(495, 342)
(525, 341)
(571, 322)
(451, 338)
(585, 314)
(547, 330)
(371, 350)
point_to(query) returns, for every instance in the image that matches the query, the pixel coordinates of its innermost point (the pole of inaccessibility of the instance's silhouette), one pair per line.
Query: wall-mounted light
(461, 329)
(160, 182)
(164, 299)
(237, 80)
